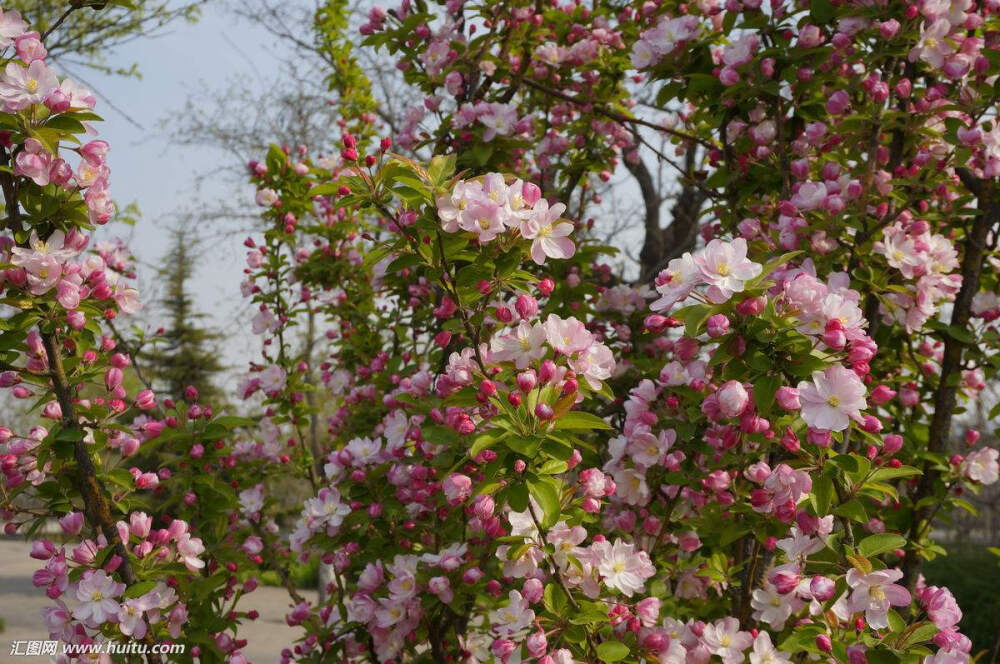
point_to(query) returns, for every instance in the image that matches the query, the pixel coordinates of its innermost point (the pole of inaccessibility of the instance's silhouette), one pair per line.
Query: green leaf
(138, 589)
(612, 651)
(522, 445)
(883, 474)
(763, 392)
(965, 505)
(577, 419)
(517, 497)
(483, 442)
(852, 509)
(874, 545)
(481, 153)
(695, 316)
(921, 632)
(554, 599)
(441, 168)
(233, 421)
(553, 467)
(547, 496)
(822, 494)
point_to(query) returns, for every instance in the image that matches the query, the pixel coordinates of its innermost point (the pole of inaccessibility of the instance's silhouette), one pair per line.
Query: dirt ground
(21, 604)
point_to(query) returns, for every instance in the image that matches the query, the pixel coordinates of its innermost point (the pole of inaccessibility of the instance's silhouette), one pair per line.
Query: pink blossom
(621, 567)
(34, 162)
(567, 336)
(96, 592)
(498, 119)
(941, 607)
(12, 26)
(20, 86)
(982, 466)
(457, 488)
(809, 196)
(874, 593)
(832, 398)
(933, 47)
(676, 282)
(788, 398)
(724, 639)
(188, 550)
(513, 617)
(548, 233)
(29, 47)
(724, 266)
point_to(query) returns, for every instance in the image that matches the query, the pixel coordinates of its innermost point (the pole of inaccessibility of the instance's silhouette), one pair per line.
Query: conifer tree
(184, 353)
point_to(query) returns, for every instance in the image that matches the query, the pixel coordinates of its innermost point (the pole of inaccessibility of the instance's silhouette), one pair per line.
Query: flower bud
(544, 412)
(717, 326)
(526, 306)
(752, 306)
(822, 588)
(733, 398)
(526, 380)
(788, 398)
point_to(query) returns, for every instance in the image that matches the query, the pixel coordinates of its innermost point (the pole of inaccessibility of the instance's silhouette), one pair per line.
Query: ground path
(21, 604)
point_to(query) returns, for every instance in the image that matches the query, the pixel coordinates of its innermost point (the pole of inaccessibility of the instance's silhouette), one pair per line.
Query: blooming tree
(513, 454)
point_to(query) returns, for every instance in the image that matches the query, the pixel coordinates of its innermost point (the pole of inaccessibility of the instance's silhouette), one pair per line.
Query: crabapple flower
(188, 550)
(933, 46)
(810, 196)
(513, 617)
(488, 206)
(764, 651)
(982, 466)
(498, 119)
(450, 207)
(252, 500)
(832, 398)
(667, 35)
(96, 592)
(524, 344)
(725, 268)
(676, 282)
(621, 567)
(874, 593)
(483, 217)
(724, 638)
(549, 235)
(596, 364)
(21, 87)
(941, 607)
(567, 335)
(457, 488)
(130, 616)
(772, 607)
(12, 26)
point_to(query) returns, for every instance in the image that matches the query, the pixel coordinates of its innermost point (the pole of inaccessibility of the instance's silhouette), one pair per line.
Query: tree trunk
(660, 245)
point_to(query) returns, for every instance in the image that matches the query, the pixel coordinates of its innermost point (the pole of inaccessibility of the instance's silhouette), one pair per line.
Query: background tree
(184, 354)
(82, 32)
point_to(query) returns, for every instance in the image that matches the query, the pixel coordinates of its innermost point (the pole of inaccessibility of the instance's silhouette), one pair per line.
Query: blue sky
(164, 178)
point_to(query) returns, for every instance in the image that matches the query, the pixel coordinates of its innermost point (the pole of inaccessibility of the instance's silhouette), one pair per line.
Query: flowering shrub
(511, 453)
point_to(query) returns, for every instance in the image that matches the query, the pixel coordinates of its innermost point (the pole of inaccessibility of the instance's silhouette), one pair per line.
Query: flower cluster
(927, 262)
(489, 207)
(722, 267)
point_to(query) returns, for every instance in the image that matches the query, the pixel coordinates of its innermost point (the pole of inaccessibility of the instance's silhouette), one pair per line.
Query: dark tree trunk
(974, 252)
(660, 245)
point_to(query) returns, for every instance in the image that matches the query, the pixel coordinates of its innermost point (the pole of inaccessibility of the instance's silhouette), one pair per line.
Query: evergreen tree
(184, 353)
